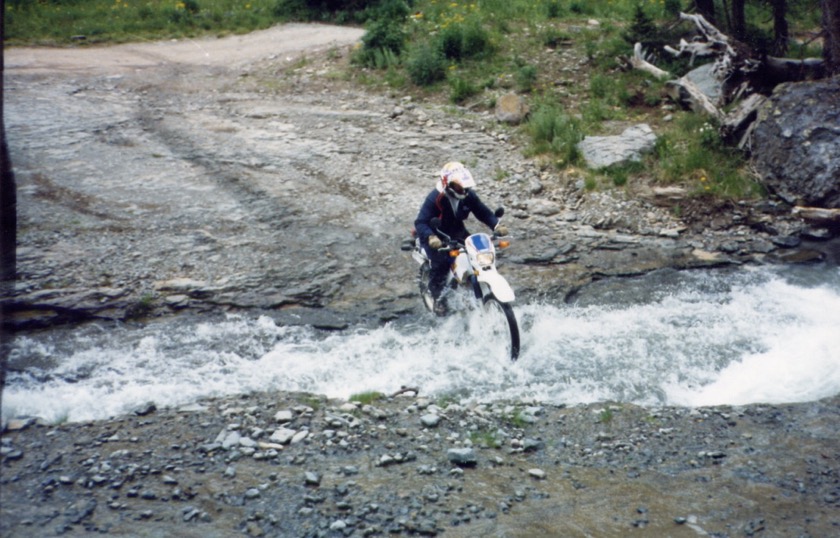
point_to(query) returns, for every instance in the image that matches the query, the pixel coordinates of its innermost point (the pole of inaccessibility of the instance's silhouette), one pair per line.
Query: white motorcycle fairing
(481, 257)
(498, 285)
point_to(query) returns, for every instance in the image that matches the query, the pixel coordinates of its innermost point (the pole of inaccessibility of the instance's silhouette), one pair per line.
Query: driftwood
(742, 77)
(682, 90)
(740, 122)
(405, 389)
(638, 61)
(740, 71)
(818, 215)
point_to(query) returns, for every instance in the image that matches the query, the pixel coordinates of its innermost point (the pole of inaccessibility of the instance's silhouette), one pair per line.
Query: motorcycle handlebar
(451, 244)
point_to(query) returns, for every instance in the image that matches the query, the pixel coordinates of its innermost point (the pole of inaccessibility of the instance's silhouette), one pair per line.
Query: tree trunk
(739, 21)
(831, 36)
(780, 28)
(8, 228)
(706, 8)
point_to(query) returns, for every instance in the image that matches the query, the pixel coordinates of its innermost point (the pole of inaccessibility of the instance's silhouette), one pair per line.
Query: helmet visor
(457, 188)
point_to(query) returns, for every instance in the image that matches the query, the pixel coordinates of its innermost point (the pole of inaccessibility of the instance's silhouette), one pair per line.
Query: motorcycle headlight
(484, 259)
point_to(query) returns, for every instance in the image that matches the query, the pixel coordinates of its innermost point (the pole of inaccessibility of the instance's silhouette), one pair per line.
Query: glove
(435, 242)
(500, 229)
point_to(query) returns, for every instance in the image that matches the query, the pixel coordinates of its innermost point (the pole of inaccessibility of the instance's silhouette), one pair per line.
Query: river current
(692, 338)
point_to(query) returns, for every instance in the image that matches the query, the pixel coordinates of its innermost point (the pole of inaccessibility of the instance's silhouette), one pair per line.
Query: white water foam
(706, 341)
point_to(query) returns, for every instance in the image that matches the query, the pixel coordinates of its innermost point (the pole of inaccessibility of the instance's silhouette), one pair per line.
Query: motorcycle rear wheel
(490, 304)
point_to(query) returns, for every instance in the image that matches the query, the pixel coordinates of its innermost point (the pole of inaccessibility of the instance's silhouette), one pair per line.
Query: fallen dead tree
(743, 77)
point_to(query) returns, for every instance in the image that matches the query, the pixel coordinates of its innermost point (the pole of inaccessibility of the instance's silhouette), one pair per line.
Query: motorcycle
(473, 271)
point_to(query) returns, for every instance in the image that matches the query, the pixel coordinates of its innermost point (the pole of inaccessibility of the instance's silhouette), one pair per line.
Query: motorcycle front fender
(498, 285)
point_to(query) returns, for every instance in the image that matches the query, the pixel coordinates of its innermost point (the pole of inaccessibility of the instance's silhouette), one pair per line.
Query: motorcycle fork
(476, 287)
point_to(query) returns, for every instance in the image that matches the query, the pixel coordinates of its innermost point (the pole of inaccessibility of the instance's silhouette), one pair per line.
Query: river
(692, 338)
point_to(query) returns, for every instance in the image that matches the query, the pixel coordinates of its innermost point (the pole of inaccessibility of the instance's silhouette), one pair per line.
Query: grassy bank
(563, 56)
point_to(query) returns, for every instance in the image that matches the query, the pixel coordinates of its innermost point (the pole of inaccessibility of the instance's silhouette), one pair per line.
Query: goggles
(457, 188)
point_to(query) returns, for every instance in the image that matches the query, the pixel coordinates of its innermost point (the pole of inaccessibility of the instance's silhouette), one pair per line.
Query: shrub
(426, 65)
(526, 76)
(384, 34)
(461, 41)
(462, 90)
(553, 9)
(451, 42)
(554, 131)
(383, 43)
(477, 43)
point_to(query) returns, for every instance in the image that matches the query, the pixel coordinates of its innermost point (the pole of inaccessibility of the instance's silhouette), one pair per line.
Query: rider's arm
(481, 211)
(428, 211)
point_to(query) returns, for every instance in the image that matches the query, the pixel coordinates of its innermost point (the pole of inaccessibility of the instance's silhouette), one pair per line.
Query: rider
(452, 200)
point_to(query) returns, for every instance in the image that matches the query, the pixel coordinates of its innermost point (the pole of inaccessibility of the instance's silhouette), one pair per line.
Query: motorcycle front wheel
(505, 310)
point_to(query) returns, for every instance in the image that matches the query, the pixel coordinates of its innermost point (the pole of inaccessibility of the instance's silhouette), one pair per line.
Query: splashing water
(690, 338)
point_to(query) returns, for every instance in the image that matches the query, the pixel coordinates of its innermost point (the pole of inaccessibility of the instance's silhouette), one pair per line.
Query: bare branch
(405, 389)
(638, 61)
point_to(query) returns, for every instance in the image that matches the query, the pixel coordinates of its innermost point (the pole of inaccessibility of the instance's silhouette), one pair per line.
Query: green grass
(692, 153)
(367, 398)
(486, 438)
(312, 400)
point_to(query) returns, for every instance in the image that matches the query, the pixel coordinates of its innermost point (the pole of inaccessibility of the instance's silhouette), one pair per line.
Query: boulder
(796, 143)
(604, 151)
(706, 82)
(511, 109)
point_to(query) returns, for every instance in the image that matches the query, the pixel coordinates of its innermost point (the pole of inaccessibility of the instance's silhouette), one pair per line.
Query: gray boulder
(511, 109)
(704, 79)
(796, 143)
(603, 151)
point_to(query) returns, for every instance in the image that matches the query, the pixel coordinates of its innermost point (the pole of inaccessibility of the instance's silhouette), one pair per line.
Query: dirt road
(285, 42)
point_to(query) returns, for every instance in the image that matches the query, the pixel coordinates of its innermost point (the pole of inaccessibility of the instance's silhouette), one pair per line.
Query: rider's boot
(441, 306)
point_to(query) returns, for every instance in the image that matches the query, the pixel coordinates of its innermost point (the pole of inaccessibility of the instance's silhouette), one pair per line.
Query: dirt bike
(473, 271)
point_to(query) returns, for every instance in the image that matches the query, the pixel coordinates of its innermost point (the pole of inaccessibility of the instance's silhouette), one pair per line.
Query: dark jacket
(438, 205)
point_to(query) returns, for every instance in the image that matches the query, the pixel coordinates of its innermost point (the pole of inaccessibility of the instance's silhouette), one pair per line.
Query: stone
(704, 79)
(462, 456)
(630, 145)
(430, 420)
(283, 436)
(146, 409)
(312, 478)
(539, 474)
(231, 440)
(542, 207)
(511, 109)
(298, 437)
(796, 143)
(284, 415)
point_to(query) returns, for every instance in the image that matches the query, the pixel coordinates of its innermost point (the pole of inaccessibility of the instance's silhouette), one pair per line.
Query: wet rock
(283, 435)
(146, 409)
(430, 420)
(312, 478)
(462, 456)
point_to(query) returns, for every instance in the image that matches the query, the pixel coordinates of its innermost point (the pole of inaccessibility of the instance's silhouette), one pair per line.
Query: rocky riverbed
(299, 465)
(184, 177)
(250, 173)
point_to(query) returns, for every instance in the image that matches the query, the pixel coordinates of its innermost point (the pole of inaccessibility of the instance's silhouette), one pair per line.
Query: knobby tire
(511, 321)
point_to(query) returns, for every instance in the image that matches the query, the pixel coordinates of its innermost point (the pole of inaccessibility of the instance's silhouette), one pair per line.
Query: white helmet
(455, 180)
